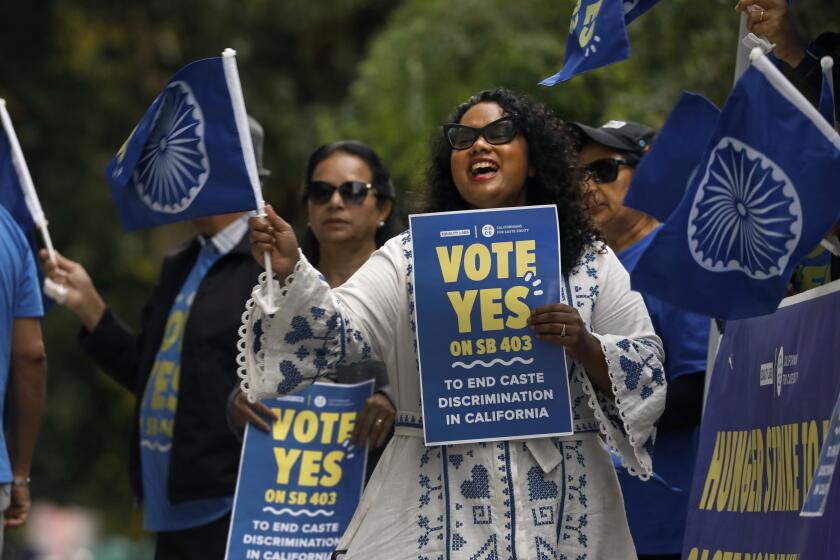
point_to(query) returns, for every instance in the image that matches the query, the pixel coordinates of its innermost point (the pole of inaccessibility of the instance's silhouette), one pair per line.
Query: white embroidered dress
(544, 499)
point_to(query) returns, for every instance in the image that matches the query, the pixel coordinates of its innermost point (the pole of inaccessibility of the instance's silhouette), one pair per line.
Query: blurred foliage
(79, 74)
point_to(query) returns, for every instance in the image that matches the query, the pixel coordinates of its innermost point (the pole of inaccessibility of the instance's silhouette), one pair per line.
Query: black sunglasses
(606, 170)
(352, 192)
(461, 136)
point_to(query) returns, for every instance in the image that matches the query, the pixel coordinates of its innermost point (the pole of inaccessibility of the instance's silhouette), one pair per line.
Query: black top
(205, 454)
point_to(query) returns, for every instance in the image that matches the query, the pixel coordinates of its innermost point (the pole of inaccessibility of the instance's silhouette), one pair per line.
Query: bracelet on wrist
(21, 482)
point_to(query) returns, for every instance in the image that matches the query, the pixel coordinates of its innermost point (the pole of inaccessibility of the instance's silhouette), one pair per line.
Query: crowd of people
(632, 454)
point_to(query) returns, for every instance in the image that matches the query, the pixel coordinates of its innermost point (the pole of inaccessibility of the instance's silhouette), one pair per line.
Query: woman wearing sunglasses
(349, 202)
(656, 508)
(547, 498)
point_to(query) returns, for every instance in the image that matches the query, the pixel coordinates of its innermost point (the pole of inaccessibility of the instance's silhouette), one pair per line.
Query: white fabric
(474, 501)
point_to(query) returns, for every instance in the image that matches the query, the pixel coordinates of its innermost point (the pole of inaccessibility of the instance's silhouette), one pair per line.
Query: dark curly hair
(381, 182)
(550, 152)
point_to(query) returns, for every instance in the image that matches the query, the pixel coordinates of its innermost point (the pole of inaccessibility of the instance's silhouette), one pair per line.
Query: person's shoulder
(11, 231)
(398, 247)
(595, 257)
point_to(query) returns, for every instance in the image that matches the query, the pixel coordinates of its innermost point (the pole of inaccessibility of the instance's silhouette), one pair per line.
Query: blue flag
(760, 201)
(598, 35)
(678, 148)
(190, 155)
(826, 105)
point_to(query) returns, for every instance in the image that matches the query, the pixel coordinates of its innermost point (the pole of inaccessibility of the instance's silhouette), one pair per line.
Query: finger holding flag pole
(241, 116)
(33, 204)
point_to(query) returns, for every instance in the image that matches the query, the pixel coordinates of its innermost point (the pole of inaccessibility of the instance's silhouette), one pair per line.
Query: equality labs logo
(781, 371)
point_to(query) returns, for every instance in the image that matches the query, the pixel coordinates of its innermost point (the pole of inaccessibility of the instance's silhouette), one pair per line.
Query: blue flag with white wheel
(678, 147)
(762, 198)
(191, 154)
(598, 35)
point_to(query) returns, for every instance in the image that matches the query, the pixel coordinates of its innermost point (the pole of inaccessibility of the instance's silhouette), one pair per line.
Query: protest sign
(484, 375)
(300, 484)
(775, 384)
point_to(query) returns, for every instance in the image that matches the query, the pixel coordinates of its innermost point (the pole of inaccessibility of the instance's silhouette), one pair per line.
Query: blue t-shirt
(20, 296)
(157, 419)
(656, 509)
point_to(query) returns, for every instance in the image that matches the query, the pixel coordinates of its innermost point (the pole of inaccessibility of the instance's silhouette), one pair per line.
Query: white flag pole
(241, 117)
(827, 63)
(30, 196)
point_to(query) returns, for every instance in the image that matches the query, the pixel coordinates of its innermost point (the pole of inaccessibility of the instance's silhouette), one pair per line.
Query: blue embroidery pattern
(538, 487)
(479, 486)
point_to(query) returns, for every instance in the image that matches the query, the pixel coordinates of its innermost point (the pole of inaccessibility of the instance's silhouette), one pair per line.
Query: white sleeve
(634, 357)
(316, 327)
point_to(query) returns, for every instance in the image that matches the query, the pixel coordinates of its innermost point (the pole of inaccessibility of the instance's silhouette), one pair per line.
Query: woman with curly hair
(545, 498)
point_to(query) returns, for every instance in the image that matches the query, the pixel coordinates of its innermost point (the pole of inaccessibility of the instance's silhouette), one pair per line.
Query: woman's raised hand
(273, 235)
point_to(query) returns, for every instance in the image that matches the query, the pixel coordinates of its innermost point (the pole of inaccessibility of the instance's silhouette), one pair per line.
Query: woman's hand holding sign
(561, 324)
(375, 421)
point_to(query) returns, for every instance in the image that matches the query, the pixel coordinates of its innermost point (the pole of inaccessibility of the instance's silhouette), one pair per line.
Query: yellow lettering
(515, 302)
(491, 308)
(280, 430)
(346, 426)
(463, 308)
(286, 459)
(740, 451)
(305, 427)
(328, 420)
(310, 465)
(174, 328)
(332, 465)
(477, 262)
(450, 264)
(502, 250)
(713, 473)
(526, 257)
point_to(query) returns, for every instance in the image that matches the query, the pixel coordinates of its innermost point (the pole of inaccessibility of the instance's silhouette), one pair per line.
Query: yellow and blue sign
(300, 484)
(484, 375)
(772, 396)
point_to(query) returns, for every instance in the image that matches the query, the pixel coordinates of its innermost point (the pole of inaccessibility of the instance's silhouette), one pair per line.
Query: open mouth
(483, 170)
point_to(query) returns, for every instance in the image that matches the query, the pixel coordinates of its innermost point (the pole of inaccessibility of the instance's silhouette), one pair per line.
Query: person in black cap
(181, 366)
(656, 509)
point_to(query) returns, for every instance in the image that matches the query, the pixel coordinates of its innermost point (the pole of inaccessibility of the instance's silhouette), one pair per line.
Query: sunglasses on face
(461, 136)
(606, 170)
(351, 192)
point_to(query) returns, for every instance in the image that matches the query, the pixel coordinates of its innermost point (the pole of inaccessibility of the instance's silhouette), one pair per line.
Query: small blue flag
(598, 35)
(678, 147)
(190, 155)
(826, 105)
(758, 204)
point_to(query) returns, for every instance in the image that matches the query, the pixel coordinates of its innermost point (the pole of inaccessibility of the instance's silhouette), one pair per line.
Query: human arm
(82, 297)
(773, 19)
(375, 421)
(26, 394)
(561, 324)
(634, 357)
(317, 328)
(103, 336)
(241, 411)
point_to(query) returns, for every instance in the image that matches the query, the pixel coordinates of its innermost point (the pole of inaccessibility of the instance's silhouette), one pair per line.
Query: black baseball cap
(619, 135)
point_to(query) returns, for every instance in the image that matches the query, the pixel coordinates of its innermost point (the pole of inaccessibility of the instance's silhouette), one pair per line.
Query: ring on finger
(761, 15)
(563, 330)
(379, 421)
